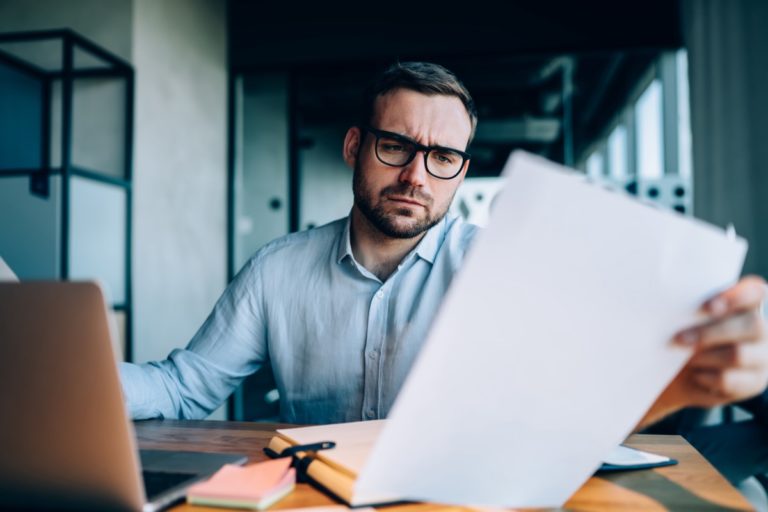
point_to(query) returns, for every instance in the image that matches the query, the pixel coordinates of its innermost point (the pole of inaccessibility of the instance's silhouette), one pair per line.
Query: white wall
(179, 251)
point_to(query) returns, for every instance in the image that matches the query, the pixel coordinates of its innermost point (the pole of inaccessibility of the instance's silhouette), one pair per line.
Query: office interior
(155, 145)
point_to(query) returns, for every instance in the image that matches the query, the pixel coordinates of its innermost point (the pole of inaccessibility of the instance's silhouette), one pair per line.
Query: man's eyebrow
(411, 139)
(401, 135)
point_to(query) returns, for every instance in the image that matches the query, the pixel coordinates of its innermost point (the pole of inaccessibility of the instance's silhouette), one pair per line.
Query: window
(685, 157)
(650, 143)
(618, 153)
(647, 148)
(596, 165)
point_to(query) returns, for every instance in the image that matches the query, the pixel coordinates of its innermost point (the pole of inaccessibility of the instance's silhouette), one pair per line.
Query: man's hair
(424, 77)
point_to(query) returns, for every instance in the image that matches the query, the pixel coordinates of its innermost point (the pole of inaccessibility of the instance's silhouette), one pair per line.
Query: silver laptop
(65, 439)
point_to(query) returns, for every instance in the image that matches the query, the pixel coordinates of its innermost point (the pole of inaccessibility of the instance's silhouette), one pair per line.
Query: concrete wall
(179, 251)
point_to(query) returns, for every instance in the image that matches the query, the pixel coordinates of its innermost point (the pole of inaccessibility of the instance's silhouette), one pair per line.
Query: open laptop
(66, 441)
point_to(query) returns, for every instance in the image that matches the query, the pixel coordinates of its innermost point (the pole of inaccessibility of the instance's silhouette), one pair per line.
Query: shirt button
(372, 354)
(370, 413)
(379, 294)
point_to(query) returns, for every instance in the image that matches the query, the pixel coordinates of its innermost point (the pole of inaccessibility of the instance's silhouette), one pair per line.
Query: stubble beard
(386, 221)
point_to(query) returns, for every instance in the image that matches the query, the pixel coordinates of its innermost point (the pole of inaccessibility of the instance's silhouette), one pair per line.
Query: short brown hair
(424, 77)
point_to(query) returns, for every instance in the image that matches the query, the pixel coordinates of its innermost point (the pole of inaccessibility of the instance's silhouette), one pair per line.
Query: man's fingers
(748, 293)
(746, 326)
(734, 355)
(730, 385)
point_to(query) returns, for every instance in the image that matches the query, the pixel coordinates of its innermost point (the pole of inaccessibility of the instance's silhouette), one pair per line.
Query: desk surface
(693, 484)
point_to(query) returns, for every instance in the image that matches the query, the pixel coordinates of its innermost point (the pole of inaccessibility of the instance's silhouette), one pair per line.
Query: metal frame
(667, 73)
(294, 155)
(232, 106)
(39, 177)
(567, 101)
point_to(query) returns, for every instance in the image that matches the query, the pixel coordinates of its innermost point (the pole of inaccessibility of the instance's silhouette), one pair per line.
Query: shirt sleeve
(194, 381)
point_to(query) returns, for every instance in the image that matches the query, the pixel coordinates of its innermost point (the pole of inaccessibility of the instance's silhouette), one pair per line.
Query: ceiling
(514, 61)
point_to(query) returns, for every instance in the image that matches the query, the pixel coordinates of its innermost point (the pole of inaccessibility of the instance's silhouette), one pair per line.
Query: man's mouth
(406, 200)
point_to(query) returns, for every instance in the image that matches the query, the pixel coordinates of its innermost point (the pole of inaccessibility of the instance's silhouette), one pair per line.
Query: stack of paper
(256, 486)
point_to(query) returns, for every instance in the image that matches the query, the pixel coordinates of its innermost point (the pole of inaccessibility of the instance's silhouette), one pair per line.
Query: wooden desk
(693, 484)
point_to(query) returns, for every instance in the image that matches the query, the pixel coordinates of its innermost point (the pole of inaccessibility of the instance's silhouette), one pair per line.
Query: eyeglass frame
(417, 147)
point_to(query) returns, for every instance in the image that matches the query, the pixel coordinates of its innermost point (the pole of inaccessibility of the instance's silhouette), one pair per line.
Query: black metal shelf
(66, 71)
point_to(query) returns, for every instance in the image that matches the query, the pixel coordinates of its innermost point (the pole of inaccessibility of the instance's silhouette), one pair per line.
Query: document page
(6, 274)
(552, 343)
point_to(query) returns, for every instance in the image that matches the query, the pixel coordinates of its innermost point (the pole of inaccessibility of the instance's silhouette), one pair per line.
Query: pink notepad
(256, 486)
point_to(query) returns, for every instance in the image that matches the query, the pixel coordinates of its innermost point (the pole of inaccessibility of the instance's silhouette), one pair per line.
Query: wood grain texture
(692, 485)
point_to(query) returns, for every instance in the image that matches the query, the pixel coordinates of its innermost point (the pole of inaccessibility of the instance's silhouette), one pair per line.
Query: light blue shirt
(340, 341)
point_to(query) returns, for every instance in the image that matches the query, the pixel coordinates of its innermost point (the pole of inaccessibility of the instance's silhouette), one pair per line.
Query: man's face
(403, 202)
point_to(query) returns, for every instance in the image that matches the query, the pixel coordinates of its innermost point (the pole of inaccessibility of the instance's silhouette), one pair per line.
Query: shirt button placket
(374, 335)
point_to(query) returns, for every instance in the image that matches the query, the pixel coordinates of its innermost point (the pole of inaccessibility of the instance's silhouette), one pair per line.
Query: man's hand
(730, 359)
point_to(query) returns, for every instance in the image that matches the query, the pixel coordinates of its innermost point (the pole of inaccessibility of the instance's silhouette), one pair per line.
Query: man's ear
(352, 141)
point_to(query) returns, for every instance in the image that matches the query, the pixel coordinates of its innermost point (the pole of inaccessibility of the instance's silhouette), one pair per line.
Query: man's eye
(445, 158)
(393, 147)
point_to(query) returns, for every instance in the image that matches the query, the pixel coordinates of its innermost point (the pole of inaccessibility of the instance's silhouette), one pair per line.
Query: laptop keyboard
(156, 482)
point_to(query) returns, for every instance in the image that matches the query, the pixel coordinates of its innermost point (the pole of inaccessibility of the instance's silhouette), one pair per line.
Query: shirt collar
(426, 249)
(345, 242)
(428, 246)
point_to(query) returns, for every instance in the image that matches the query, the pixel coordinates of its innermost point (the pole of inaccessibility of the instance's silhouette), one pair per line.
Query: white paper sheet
(626, 456)
(6, 274)
(552, 343)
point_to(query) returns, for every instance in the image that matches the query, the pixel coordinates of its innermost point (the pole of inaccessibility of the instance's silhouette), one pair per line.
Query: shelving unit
(66, 140)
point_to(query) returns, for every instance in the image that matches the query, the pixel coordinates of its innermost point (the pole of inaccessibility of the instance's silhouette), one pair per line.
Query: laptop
(66, 441)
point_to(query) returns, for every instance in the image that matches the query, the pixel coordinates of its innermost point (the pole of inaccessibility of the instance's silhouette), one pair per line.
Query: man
(341, 311)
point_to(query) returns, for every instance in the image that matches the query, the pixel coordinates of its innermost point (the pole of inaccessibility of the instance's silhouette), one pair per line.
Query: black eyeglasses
(398, 151)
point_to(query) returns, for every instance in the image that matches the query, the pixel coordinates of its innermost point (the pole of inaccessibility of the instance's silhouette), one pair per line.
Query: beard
(385, 221)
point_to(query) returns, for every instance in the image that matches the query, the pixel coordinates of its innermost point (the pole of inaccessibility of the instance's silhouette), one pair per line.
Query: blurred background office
(156, 144)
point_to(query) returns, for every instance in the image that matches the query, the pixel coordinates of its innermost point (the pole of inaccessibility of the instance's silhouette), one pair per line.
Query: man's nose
(415, 173)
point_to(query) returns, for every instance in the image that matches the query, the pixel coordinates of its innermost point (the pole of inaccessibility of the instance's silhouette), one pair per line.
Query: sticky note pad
(255, 487)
